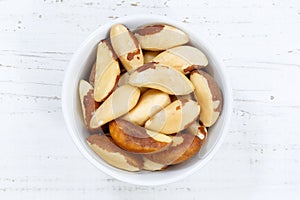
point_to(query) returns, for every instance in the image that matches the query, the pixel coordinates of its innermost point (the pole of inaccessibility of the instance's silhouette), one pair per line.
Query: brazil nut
(158, 37)
(126, 47)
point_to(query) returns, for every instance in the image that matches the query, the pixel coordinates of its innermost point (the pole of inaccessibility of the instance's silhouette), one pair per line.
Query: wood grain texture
(259, 43)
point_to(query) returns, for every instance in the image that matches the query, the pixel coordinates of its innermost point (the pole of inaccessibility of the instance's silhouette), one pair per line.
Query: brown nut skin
(152, 166)
(92, 75)
(137, 139)
(208, 95)
(105, 147)
(88, 104)
(184, 147)
(126, 47)
(190, 96)
(157, 37)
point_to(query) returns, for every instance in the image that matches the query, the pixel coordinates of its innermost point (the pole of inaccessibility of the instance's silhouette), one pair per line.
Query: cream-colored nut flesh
(160, 77)
(151, 102)
(197, 129)
(184, 147)
(126, 47)
(160, 37)
(107, 71)
(123, 80)
(175, 117)
(152, 166)
(88, 104)
(208, 95)
(182, 58)
(150, 55)
(121, 101)
(104, 147)
(137, 139)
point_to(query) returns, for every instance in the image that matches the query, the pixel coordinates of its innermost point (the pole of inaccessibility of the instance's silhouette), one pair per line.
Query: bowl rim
(69, 74)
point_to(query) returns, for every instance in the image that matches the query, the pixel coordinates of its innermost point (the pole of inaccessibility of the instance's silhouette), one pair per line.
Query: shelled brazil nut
(208, 95)
(124, 80)
(137, 139)
(155, 105)
(158, 37)
(151, 102)
(161, 77)
(126, 47)
(107, 71)
(183, 147)
(175, 117)
(121, 101)
(182, 58)
(88, 104)
(106, 148)
(92, 75)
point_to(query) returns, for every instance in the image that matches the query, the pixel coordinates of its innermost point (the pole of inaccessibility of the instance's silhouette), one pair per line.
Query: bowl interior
(80, 67)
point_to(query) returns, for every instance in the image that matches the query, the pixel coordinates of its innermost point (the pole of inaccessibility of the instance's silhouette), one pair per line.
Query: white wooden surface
(259, 42)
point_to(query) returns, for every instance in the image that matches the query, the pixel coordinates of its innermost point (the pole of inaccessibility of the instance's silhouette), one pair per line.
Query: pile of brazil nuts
(148, 101)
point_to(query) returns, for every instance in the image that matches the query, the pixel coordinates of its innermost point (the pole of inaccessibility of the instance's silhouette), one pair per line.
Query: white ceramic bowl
(79, 68)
